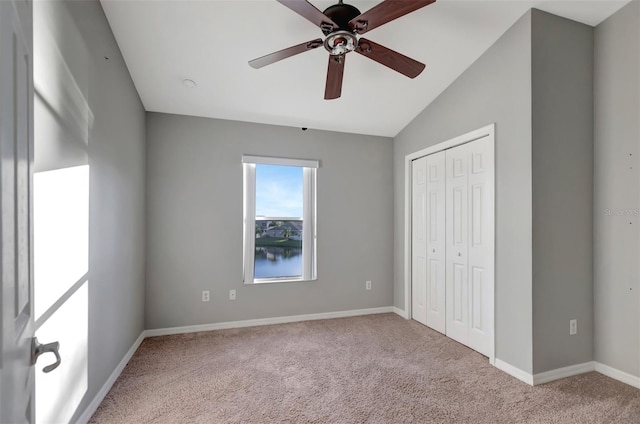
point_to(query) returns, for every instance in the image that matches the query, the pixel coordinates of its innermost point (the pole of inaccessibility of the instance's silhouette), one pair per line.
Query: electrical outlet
(232, 295)
(368, 285)
(573, 327)
(205, 295)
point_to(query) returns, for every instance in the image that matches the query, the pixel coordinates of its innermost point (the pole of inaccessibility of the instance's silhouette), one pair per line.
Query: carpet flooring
(368, 369)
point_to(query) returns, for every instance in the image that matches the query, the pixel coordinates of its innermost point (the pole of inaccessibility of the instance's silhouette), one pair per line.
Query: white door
(469, 255)
(436, 244)
(481, 245)
(16, 159)
(419, 241)
(457, 234)
(428, 241)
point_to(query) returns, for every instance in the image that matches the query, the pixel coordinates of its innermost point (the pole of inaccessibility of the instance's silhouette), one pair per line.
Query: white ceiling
(210, 42)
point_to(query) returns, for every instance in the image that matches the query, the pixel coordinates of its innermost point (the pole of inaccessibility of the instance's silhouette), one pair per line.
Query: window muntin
(279, 219)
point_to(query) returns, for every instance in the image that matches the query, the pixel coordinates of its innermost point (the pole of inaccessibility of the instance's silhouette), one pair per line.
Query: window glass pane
(278, 244)
(278, 249)
(278, 191)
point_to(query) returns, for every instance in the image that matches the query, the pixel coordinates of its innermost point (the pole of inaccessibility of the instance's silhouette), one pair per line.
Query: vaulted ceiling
(211, 41)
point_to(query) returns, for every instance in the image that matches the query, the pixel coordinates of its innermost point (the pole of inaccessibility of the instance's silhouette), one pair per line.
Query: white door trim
(489, 130)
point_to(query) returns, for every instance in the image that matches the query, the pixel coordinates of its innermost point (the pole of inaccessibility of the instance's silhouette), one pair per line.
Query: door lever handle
(38, 349)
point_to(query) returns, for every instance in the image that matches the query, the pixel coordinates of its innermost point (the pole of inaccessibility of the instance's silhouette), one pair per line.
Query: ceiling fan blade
(311, 13)
(385, 12)
(333, 89)
(389, 58)
(283, 54)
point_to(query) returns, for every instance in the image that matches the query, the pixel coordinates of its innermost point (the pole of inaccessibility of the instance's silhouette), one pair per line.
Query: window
(279, 219)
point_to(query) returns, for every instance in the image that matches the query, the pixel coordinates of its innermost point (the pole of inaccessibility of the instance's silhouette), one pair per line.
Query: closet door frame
(488, 131)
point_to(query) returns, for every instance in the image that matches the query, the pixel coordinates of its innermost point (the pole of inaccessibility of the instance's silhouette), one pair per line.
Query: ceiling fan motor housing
(343, 39)
(341, 14)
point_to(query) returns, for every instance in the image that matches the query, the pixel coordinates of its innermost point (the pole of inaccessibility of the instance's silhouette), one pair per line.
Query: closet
(452, 242)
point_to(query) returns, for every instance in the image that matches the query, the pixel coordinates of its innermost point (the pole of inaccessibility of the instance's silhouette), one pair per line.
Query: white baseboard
(400, 312)
(514, 372)
(548, 376)
(266, 321)
(616, 374)
(93, 406)
(557, 374)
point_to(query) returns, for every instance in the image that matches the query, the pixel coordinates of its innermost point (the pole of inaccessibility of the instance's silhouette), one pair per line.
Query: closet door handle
(459, 254)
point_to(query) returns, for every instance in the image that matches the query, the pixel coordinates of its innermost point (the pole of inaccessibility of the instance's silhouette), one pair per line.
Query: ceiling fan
(342, 24)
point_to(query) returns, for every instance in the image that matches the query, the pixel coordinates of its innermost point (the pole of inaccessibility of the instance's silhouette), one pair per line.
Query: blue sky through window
(278, 191)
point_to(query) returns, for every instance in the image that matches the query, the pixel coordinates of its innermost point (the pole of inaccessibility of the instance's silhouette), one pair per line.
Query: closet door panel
(457, 228)
(436, 244)
(419, 241)
(481, 250)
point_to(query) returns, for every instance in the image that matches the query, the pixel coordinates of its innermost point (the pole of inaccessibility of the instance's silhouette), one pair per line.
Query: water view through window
(279, 255)
(279, 202)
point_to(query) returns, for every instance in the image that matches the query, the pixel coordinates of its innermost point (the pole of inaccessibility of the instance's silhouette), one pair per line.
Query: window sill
(278, 280)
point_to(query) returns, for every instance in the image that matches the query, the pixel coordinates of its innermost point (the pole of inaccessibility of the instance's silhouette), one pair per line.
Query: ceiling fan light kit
(341, 24)
(340, 42)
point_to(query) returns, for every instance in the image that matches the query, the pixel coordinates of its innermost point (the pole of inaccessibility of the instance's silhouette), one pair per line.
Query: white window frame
(309, 227)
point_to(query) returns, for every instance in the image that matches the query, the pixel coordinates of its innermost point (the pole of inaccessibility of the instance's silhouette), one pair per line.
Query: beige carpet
(371, 369)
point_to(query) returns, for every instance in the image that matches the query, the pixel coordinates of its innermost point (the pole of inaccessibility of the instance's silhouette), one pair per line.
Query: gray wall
(496, 88)
(117, 200)
(562, 158)
(194, 221)
(115, 152)
(617, 189)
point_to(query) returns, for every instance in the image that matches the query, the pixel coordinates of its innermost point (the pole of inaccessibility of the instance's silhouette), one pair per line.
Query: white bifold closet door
(452, 243)
(428, 282)
(469, 251)
(419, 241)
